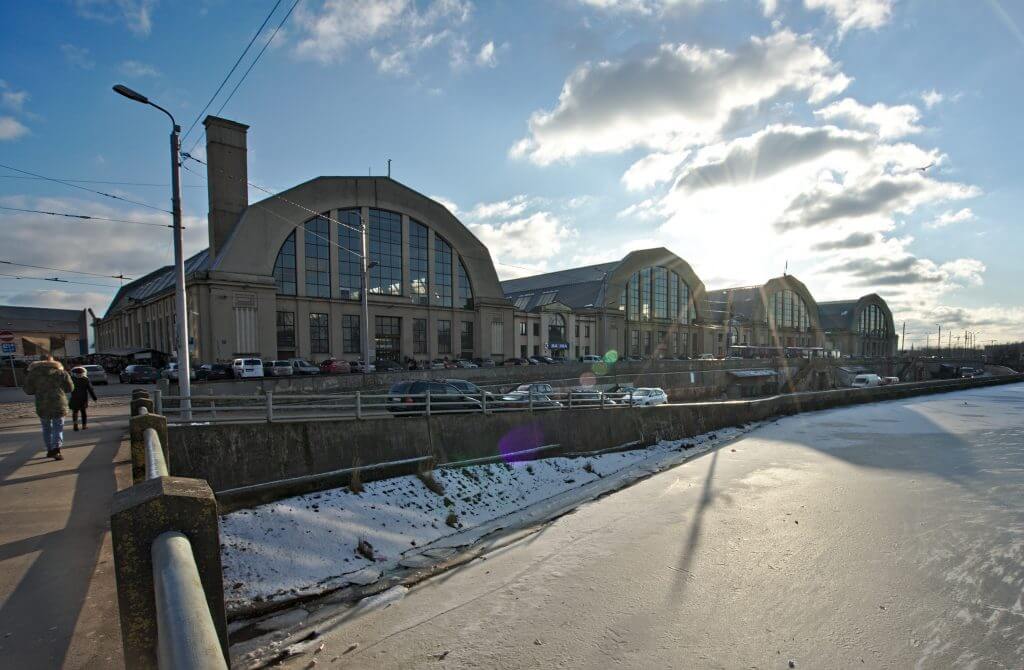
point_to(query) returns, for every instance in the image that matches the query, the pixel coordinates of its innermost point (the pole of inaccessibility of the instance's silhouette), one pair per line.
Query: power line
(59, 280)
(82, 188)
(87, 216)
(99, 181)
(252, 64)
(77, 272)
(232, 70)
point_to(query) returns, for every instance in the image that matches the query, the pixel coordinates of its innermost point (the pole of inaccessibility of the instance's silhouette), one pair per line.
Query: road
(58, 602)
(886, 535)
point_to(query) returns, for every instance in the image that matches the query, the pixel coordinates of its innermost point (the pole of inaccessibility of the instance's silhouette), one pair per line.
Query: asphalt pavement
(888, 535)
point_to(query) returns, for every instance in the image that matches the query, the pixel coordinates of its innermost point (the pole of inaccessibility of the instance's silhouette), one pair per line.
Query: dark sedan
(445, 396)
(139, 374)
(209, 372)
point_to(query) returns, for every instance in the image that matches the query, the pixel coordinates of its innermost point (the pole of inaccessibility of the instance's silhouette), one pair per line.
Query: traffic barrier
(166, 543)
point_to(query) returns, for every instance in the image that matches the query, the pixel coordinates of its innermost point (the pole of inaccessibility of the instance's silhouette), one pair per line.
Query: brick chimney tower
(227, 176)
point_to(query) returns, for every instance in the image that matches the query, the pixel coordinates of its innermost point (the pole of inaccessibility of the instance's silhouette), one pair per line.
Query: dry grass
(432, 484)
(355, 481)
(452, 520)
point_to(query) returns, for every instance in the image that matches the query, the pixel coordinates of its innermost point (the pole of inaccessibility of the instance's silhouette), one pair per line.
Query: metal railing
(186, 634)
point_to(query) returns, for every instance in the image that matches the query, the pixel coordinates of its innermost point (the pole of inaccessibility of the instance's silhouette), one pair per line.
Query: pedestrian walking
(50, 384)
(79, 402)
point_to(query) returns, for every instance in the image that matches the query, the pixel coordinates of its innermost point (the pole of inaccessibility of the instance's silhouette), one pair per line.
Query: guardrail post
(359, 405)
(158, 402)
(529, 394)
(140, 401)
(483, 401)
(602, 399)
(270, 406)
(139, 515)
(428, 402)
(137, 426)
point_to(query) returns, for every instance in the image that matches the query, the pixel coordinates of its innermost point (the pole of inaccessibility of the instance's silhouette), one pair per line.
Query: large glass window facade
(419, 267)
(656, 293)
(388, 337)
(466, 339)
(645, 294)
(786, 309)
(660, 293)
(465, 289)
(634, 298)
(419, 336)
(350, 340)
(350, 243)
(442, 272)
(284, 267)
(444, 336)
(286, 330)
(386, 252)
(319, 334)
(673, 296)
(318, 258)
(871, 321)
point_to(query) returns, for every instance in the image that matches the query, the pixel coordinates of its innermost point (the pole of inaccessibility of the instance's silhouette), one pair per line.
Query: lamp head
(130, 94)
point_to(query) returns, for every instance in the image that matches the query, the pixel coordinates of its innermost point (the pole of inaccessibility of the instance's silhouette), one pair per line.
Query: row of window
(786, 309)
(657, 293)
(387, 335)
(385, 242)
(536, 328)
(644, 343)
(871, 321)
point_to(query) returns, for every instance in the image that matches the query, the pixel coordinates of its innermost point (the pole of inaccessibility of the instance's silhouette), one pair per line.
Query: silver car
(303, 367)
(279, 369)
(96, 374)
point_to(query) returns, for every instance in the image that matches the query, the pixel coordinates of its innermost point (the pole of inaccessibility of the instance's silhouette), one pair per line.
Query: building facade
(862, 327)
(40, 330)
(779, 313)
(282, 277)
(648, 304)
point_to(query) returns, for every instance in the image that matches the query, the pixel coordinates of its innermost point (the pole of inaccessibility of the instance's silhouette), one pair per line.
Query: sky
(861, 145)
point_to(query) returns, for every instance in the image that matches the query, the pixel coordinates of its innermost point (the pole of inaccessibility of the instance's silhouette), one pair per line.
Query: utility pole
(365, 258)
(940, 339)
(903, 337)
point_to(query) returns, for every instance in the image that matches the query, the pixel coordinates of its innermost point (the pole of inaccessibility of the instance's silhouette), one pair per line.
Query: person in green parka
(50, 384)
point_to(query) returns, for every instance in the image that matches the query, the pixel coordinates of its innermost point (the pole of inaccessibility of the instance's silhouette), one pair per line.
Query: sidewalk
(58, 601)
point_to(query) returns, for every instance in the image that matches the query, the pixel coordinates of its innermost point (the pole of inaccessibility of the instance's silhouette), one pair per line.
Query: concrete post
(139, 515)
(142, 402)
(137, 426)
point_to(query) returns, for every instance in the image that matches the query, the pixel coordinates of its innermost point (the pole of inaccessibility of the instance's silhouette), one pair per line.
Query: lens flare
(599, 369)
(528, 436)
(611, 357)
(588, 379)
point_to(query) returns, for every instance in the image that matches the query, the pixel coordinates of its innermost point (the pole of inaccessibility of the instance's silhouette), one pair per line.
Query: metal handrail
(187, 638)
(156, 465)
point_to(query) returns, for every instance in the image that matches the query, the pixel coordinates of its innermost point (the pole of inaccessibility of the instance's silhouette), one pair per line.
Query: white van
(866, 380)
(590, 358)
(243, 368)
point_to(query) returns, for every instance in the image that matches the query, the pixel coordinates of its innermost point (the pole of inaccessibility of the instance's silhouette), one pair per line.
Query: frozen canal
(887, 535)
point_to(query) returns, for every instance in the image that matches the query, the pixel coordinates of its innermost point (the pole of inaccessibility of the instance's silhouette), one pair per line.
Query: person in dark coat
(80, 396)
(50, 384)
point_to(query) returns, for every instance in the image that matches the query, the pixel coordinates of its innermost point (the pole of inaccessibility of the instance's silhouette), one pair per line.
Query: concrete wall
(231, 456)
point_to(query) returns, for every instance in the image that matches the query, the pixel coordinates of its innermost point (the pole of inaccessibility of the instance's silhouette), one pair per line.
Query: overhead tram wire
(83, 188)
(77, 272)
(231, 71)
(251, 65)
(100, 181)
(87, 216)
(58, 281)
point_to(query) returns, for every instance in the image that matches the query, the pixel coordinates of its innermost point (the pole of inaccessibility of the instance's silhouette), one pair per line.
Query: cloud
(12, 99)
(854, 14)
(134, 68)
(932, 98)
(77, 56)
(679, 96)
(769, 7)
(330, 30)
(653, 169)
(11, 128)
(136, 15)
(645, 210)
(56, 299)
(486, 56)
(851, 241)
(643, 7)
(950, 217)
(909, 269)
(890, 122)
(500, 209)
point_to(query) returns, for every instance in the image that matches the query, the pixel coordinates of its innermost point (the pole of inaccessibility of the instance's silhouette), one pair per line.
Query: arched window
(350, 263)
(556, 330)
(318, 258)
(871, 321)
(284, 267)
(786, 309)
(386, 252)
(419, 269)
(465, 288)
(656, 293)
(442, 272)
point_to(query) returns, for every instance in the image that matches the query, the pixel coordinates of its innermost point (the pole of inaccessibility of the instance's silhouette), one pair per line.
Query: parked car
(442, 364)
(965, 372)
(484, 362)
(463, 363)
(280, 368)
(385, 365)
(445, 396)
(548, 360)
(522, 400)
(171, 372)
(706, 357)
(509, 362)
(866, 381)
(96, 374)
(546, 389)
(209, 372)
(888, 381)
(588, 397)
(335, 366)
(533, 360)
(303, 367)
(247, 368)
(362, 367)
(139, 374)
(634, 359)
(647, 397)
(590, 358)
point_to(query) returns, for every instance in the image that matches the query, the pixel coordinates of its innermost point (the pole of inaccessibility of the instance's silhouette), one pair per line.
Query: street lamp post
(184, 362)
(940, 339)
(367, 264)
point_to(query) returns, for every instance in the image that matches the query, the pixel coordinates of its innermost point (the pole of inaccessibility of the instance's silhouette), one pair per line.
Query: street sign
(7, 348)
(6, 336)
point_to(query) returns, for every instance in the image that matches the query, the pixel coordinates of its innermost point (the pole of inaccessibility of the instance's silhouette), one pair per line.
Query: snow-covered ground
(307, 544)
